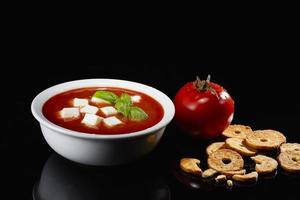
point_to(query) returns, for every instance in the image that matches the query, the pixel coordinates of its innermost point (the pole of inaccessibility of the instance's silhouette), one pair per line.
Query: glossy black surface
(264, 97)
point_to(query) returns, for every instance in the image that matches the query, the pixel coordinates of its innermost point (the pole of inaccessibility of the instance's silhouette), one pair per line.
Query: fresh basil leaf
(106, 95)
(123, 104)
(126, 98)
(136, 113)
(122, 107)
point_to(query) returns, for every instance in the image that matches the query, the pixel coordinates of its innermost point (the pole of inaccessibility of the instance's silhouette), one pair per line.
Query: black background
(265, 90)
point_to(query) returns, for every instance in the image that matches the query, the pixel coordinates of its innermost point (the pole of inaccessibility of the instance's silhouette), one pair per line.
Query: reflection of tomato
(203, 109)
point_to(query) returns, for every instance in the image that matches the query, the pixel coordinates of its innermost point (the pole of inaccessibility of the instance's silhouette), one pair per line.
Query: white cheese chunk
(112, 121)
(99, 101)
(136, 98)
(108, 110)
(77, 102)
(91, 120)
(68, 113)
(89, 109)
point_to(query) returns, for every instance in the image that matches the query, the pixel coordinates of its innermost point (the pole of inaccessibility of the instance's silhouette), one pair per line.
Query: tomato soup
(103, 110)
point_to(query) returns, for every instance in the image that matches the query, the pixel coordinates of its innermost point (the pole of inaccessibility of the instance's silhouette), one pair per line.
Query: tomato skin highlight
(203, 114)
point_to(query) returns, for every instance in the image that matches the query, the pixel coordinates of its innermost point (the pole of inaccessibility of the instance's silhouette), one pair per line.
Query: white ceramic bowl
(94, 149)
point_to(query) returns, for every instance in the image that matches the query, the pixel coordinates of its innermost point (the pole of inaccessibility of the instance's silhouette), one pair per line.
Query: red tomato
(203, 109)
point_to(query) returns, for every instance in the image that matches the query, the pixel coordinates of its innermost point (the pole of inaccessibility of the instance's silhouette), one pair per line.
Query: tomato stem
(208, 78)
(204, 85)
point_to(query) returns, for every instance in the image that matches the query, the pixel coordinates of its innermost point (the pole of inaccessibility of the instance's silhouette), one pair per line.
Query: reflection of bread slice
(264, 164)
(239, 145)
(290, 161)
(290, 147)
(214, 147)
(237, 131)
(265, 139)
(209, 173)
(246, 177)
(191, 166)
(225, 160)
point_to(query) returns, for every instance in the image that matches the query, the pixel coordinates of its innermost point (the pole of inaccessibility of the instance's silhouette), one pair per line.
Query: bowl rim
(37, 113)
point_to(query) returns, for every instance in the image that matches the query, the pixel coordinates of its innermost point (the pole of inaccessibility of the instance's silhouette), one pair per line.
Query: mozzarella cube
(91, 120)
(99, 101)
(136, 98)
(80, 102)
(108, 110)
(89, 109)
(111, 121)
(68, 113)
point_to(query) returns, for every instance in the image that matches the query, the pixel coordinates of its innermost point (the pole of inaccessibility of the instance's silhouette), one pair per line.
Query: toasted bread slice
(220, 178)
(290, 161)
(225, 160)
(237, 131)
(209, 173)
(246, 177)
(214, 147)
(264, 164)
(239, 145)
(191, 166)
(290, 147)
(229, 174)
(265, 139)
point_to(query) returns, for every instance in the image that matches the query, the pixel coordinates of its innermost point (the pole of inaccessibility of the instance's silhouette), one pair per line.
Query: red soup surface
(55, 104)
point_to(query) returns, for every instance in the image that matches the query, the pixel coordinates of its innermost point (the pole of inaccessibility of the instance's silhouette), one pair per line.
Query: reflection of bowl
(62, 179)
(101, 149)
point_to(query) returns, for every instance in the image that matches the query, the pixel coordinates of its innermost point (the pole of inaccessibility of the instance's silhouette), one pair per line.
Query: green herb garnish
(106, 95)
(123, 107)
(123, 104)
(126, 98)
(136, 113)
